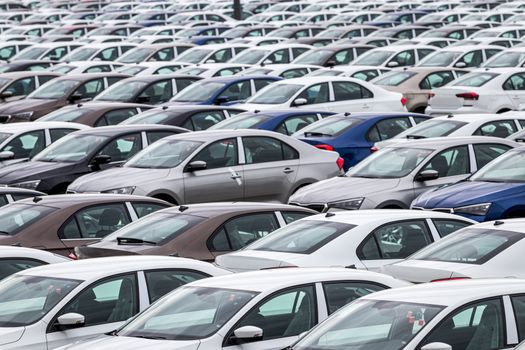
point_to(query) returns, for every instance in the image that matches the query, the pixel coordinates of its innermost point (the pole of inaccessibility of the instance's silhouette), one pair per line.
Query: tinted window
(260, 83)
(338, 294)
(436, 80)
(315, 94)
(295, 123)
(265, 149)
(487, 152)
(515, 82)
(388, 128)
(291, 216)
(446, 227)
(27, 145)
(154, 136)
(162, 282)
(59, 133)
(122, 148)
(451, 162)
(10, 266)
(158, 92)
(91, 88)
(22, 86)
(518, 303)
(219, 154)
(501, 128)
(143, 209)
(116, 117)
(350, 91)
(405, 58)
(204, 120)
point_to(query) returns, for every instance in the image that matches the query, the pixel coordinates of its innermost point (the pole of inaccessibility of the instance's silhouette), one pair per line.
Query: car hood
(33, 170)
(340, 188)
(116, 178)
(132, 343)
(466, 193)
(110, 248)
(252, 260)
(10, 335)
(25, 105)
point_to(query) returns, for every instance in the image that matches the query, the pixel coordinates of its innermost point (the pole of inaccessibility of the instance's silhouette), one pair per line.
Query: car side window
(518, 303)
(350, 91)
(315, 94)
(339, 294)
(294, 73)
(472, 59)
(91, 88)
(291, 216)
(221, 56)
(115, 117)
(27, 145)
(109, 54)
(22, 86)
(161, 282)
(7, 52)
(203, 120)
(154, 136)
(111, 300)
(451, 162)
(144, 208)
(183, 83)
(95, 222)
(260, 83)
(166, 54)
(396, 240)
(293, 124)
(260, 149)
(59, 133)
(158, 92)
(435, 80)
(14, 265)
(405, 58)
(298, 51)
(446, 227)
(237, 91)
(285, 314)
(475, 326)
(366, 75)
(500, 128)
(279, 56)
(515, 82)
(3, 200)
(486, 152)
(227, 72)
(422, 53)
(122, 148)
(243, 230)
(219, 154)
(388, 128)
(55, 54)
(98, 69)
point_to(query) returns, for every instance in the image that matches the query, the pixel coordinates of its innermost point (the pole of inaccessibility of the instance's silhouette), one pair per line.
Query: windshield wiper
(131, 240)
(416, 137)
(149, 336)
(315, 134)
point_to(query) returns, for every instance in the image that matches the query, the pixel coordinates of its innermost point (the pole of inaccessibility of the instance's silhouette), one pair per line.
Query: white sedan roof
(30, 253)
(16, 128)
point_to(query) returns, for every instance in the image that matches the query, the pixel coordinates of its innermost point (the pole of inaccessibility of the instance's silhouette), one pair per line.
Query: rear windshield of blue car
(328, 127)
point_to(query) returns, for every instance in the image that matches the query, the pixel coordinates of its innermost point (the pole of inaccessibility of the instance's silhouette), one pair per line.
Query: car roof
(114, 130)
(16, 128)
(217, 208)
(515, 225)
(66, 200)
(482, 117)
(443, 142)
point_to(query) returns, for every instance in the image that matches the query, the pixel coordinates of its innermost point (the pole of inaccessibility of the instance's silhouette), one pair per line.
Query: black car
(192, 117)
(79, 153)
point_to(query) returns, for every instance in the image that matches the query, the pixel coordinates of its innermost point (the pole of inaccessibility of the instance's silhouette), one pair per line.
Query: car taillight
(373, 149)
(403, 101)
(340, 162)
(450, 279)
(325, 147)
(73, 256)
(430, 95)
(470, 96)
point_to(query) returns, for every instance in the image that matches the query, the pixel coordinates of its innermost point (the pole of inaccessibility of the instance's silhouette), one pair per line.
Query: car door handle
(365, 106)
(288, 170)
(236, 176)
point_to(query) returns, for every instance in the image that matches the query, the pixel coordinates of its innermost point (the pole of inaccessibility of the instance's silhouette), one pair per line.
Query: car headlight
(476, 209)
(121, 190)
(23, 115)
(348, 204)
(30, 185)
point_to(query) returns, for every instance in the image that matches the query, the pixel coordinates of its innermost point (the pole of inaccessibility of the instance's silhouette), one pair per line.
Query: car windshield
(431, 128)
(316, 57)
(301, 237)
(188, 313)
(55, 89)
(194, 55)
(26, 299)
(394, 78)
(17, 216)
(275, 94)
(163, 154)
(506, 59)
(509, 167)
(331, 126)
(469, 246)
(390, 163)
(65, 114)
(156, 228)
(370, 324)
(474, 79)
(136, 55)
(440, 59)
(251, 56)
(31, 53)
(373, 58)
(81, 54)
(241, 122)
(71, 148)
(123, 91)
(198, 92)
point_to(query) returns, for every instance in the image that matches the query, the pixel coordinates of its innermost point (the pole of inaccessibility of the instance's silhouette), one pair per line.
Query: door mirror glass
(196, 165)
(436, 346)
(6, 94)
(70, 320)
(101, 159)
(247, 334)
(392, 64)
(300, 102)
(427, 175)
(458, 65)
(6, 155)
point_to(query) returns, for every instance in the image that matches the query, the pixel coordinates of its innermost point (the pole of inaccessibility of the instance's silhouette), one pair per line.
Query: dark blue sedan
(222, 90)
(353, 135)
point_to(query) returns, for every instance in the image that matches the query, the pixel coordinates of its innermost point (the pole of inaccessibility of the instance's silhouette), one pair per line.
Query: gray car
(218, 165)
(393, 176)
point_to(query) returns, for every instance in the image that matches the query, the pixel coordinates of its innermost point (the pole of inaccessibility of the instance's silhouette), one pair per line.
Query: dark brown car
(96, 113)
(198, 231)
(17, 85)
(58, 93)
(60, 223)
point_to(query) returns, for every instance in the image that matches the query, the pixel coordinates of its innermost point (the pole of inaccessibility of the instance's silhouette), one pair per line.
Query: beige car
(416, 83)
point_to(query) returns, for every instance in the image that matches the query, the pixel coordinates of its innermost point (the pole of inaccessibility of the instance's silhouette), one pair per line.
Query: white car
(214, 53)
(49, 306)
(365, 73)
(98, 52)
(286, 70)
(459, 315)
(46, 51)
(15, 259)
(465, 56)
(394, 56)
(271, 54)
(333, 94)
(495, 125)
(152, 68)
(79, 67)
(210, 70)
(365, 239)
(486, 250)
(263, 310)
(514, 57)
(488, 90)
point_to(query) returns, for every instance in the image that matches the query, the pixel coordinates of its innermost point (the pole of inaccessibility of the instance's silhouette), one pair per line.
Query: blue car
(496, 191)
(285, 122)
(353, 135)
(223, 90)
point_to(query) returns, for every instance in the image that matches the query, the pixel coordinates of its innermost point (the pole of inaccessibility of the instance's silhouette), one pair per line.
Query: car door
(317, 96)
(157, 92)
(19, 88)
(514, 89)
(392, 242)
(89, 89)
(105, 304)
(350, 96)
(282, 316)
(24, 146)
(223, 177)
(120, 149)
(270, 168)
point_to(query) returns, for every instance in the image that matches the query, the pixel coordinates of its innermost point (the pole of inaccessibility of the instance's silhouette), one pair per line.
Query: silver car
(218, 165)
(393, 176)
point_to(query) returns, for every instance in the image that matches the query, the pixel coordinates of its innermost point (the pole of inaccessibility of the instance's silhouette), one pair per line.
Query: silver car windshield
(163, 154)
(390, 163)
(26, 299)
(188, 313)
(509, 167)
(276, 94)
(370, 324)
(71, 148)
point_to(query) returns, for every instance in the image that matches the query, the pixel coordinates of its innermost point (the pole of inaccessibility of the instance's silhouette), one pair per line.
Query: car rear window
(394, 78)
(475, 79)
(469, 246)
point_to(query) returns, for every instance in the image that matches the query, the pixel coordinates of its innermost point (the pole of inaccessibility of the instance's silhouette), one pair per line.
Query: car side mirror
(6, 94)
(299, 102)
(436, 346)
(247, 334)
(222, 99)
(100, 159)
(427, 175)
(143, 99)
(330, 63)
(4, 155)
(460, 65)
(196, 165)
(392, 64)
(75, 97)
(70, 320)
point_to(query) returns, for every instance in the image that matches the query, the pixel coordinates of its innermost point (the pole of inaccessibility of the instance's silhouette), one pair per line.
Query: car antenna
(329, 215)
(347, 114)
(498, 222)
(450, 116)
(183, 208)
(79, 105)
(37, 199)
